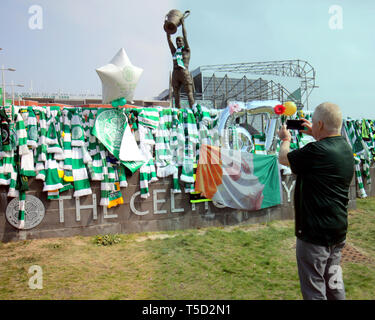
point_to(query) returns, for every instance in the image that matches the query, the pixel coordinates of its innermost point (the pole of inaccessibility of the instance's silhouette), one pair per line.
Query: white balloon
(119, 78)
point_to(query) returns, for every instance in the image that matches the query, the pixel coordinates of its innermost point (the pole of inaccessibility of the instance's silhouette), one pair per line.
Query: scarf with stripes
(79, 157)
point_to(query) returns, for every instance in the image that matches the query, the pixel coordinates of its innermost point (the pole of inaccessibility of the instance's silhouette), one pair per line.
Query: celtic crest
(128, 74)
(33, 133)
(4, 135)
(110, 129)
(34, 212)
(114, 128)
(77, 133)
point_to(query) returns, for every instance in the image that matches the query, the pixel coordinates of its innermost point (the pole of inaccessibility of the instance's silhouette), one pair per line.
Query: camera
(295, 125)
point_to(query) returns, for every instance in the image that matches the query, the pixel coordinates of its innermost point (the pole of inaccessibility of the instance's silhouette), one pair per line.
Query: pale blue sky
(79, 36)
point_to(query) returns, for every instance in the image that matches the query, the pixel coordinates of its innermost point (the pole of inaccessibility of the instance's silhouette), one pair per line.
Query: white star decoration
(119, 78)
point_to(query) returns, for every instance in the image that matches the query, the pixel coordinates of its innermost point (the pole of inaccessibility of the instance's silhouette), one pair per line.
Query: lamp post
(14, 85)
(2, 76)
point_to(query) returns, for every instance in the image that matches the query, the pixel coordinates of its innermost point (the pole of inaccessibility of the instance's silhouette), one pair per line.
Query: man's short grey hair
(331, 115)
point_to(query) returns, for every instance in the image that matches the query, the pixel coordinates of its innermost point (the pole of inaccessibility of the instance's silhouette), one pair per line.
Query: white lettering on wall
(173, 205)
(132, 207)
(90, 206)
(288, 191)
(61, 206)
(156, 201)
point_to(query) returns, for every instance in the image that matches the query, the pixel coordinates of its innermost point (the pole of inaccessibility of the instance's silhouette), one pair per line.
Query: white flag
(129, 150)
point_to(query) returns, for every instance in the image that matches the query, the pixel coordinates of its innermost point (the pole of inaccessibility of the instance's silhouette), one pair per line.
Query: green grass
(362, 225)
(242, 262)
(224, 265)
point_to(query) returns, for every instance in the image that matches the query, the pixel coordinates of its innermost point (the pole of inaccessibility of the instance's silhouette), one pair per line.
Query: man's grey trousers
(319, 271)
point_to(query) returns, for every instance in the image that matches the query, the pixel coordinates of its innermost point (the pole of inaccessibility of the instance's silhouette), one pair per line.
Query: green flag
(109, 129)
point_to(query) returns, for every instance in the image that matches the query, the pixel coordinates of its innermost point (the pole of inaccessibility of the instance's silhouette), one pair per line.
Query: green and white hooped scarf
(67, 145)
(21, 209)
(32, 130)
(80, 157)
(42, 142)
(148, 122)
(94, 150)
(105, 186)
(178, 57)
(358, 174)
(40, 156)
(163, 154)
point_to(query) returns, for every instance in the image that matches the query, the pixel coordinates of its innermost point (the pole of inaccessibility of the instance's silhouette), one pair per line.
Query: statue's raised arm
(184, 34)
(171, 45)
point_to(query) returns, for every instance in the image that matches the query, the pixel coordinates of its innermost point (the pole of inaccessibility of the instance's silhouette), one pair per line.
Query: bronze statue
(181, 57)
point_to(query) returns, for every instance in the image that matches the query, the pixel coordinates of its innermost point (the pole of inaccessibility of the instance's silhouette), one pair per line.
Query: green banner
(109, 129)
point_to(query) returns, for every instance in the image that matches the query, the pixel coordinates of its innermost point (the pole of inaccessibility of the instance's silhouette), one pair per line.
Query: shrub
(107, 239)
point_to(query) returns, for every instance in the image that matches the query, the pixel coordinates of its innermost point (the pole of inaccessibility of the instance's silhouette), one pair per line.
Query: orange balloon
(290, 108)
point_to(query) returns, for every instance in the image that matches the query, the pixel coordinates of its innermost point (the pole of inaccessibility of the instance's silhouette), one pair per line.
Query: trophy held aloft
(173, 20)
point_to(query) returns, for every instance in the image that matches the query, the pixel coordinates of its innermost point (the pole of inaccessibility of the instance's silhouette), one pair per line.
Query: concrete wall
(162, 211)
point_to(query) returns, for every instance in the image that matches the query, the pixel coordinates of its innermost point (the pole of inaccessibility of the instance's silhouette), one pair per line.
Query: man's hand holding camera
(284, 134)
(308, 127)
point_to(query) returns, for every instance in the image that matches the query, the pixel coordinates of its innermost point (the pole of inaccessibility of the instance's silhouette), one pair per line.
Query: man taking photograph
(324, 170)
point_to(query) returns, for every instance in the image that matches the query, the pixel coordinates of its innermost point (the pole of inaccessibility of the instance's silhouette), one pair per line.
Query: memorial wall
(163, 211)
(75, 171)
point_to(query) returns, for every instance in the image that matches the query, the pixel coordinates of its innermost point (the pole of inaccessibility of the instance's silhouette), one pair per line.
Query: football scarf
(358, 174)
(79, 171)
(67, 145)
(178, 57)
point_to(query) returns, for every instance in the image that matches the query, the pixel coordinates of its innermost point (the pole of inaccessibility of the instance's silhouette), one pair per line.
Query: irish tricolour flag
(237, 179)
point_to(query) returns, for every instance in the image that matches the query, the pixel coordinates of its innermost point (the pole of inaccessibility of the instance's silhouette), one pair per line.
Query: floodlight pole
(3, 84)
(3, 81)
